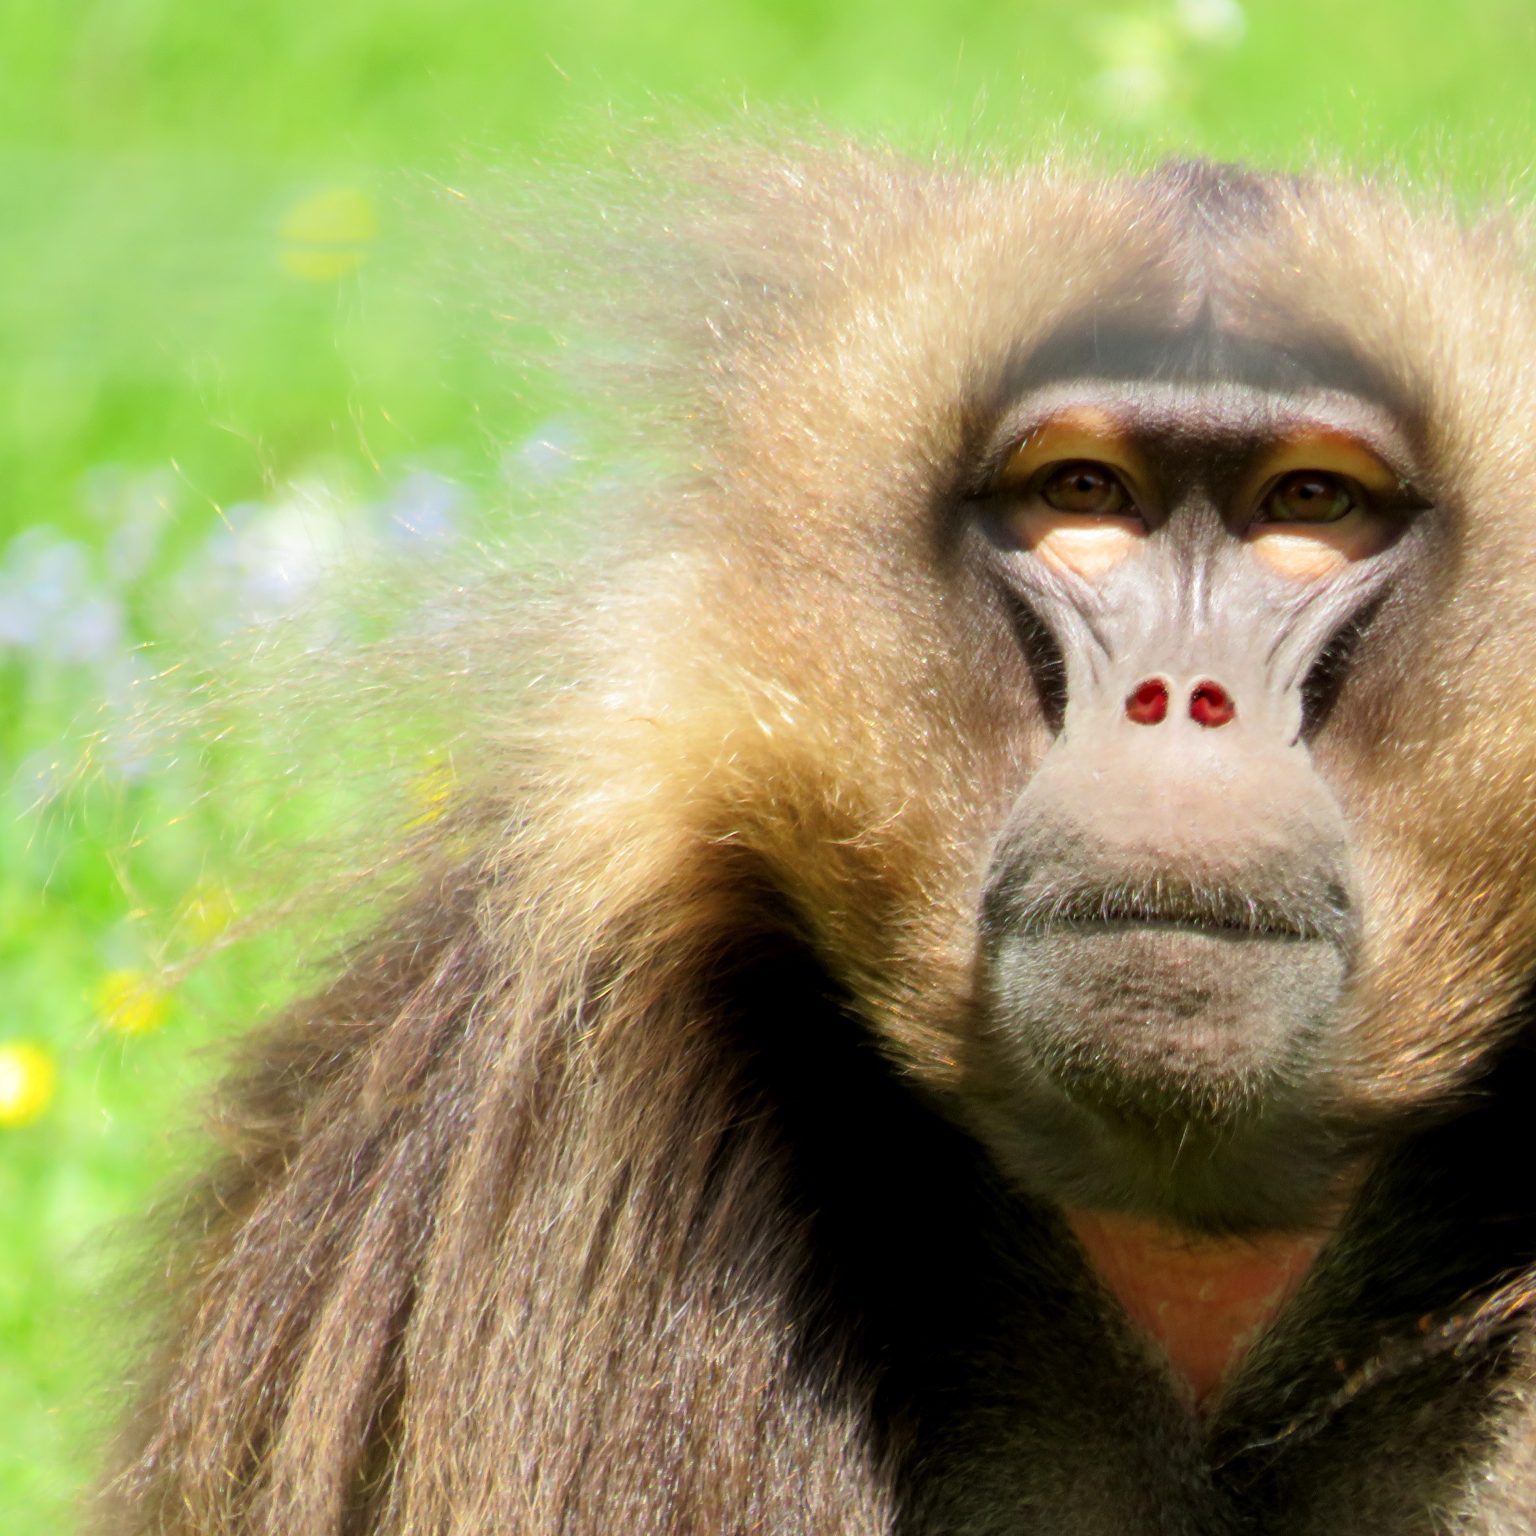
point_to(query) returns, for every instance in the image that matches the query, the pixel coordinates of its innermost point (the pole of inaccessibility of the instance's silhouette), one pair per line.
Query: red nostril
(1148, 702)
(1211, 705)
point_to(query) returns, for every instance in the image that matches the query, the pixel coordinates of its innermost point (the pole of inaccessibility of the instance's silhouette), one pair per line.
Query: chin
(1164, 1070)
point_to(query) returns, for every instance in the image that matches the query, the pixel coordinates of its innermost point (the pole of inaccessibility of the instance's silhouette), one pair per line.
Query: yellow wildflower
(27, 1078)
(131, 1003)
(323, 237)
(206, 913)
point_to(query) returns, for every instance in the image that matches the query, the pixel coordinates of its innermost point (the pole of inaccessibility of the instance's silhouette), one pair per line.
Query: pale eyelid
(1310, 551)
(1082, 544)
(1076, 543)
(1309, 556)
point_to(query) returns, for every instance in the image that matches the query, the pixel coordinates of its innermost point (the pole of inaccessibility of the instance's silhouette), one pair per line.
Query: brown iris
(1086, 488)
(1310, 496)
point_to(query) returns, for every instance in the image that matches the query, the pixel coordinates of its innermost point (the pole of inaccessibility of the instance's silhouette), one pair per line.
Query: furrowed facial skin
(995, 993)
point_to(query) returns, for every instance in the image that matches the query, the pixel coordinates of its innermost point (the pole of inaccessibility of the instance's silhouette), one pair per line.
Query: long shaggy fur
(605, 1190)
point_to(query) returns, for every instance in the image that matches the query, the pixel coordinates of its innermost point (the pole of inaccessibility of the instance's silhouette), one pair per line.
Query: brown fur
(531, 1221)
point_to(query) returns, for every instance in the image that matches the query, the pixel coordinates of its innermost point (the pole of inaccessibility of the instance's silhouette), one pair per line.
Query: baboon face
(1170, 642)
(1171, 916)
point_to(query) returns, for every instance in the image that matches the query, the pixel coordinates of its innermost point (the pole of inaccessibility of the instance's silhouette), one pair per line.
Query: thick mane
(510, 1211)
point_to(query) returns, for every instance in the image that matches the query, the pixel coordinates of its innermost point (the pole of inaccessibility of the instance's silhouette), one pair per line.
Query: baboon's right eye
(1085, 487)
(1068, 493)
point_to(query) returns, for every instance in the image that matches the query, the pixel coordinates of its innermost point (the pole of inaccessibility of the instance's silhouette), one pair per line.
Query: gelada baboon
(992, 996)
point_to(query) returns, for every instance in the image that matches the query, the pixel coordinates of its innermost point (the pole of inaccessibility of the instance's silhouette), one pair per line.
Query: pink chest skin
(1203, 1300)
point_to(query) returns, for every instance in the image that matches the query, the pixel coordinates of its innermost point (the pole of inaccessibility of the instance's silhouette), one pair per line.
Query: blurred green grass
(226, 291)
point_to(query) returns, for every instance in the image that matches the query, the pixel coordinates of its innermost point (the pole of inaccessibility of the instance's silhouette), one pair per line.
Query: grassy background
(230, 332)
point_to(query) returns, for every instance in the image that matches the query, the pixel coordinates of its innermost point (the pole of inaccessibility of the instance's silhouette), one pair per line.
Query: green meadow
(250, 329)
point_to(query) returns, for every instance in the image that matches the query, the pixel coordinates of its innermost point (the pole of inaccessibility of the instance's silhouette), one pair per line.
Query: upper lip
(1183, 903)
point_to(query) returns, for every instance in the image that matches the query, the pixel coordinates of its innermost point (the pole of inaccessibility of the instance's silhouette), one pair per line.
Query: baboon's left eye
(1310, 496)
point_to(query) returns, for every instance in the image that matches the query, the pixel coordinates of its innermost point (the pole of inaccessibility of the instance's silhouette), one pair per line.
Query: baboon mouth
(1258, 925)
(1212, 911)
